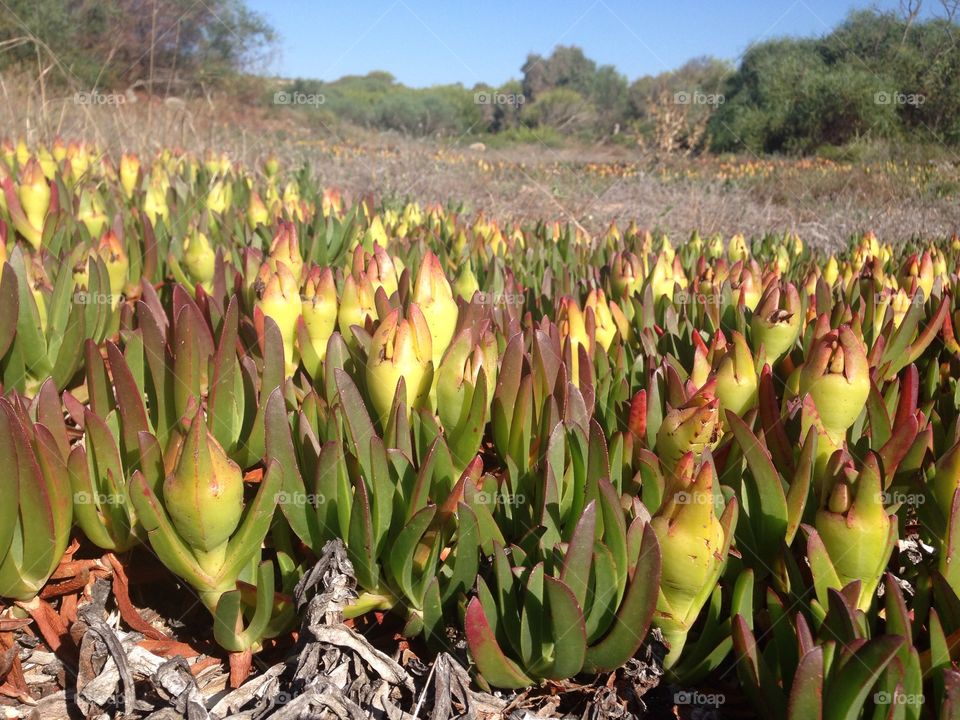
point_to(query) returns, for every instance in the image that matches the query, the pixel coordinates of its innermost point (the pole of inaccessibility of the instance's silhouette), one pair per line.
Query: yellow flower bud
(432, 293)
(34, 196)
(856, 530)
(737, 379)
(91, 212)
(606, 329)
(257, 213)
(836, 375)
(199, 258)
(356, 305)
(319, 308)
(401, 347)
(118, 264)
(776, 320)
(279, 299)
(203, 494)
(129, 173)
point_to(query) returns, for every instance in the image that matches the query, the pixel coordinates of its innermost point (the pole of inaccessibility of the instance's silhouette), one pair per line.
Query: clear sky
(426, 42)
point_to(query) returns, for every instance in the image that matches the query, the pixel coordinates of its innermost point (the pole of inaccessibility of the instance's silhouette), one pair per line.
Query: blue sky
(426, 42)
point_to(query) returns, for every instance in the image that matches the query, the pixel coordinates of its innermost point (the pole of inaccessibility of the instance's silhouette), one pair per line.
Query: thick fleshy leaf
(362, 544)
(765, 496)
(635, 613)
(258, 515)
(577, 564)
(400, 559)
(228, 625)
(466, 559)
(359, 427)
(848, 690)
(10, 302)
(9, 483)
(495, 667)
(806, 694)
(567, 630)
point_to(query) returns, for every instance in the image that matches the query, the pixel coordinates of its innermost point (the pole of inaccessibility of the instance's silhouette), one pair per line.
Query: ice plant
(319, 310)
(432, 293)
(278, 298)
(285, 249)
(356, 305)
(692, 427)
(666, 274)
(573, 334)
(836, 376)
(29, 202)
(466, 380)
(585, 606)
(606, 327)
(401, 348)
(91, 212)
(693, 544)
(737, 378)
(466, 285)
(380, 269)
(114, 257)
(626, 274)
(777, 320)
(36, 513)
(52, 321)
(856, 535)
(199, 259)
(191, 504)
(129, 173)
(257, 213)
(738, 249)
(155, 201)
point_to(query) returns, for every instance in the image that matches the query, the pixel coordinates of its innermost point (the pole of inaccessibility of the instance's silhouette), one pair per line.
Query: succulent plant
(35, 524)
(550, 440)
(555, 613)
(191, 505)
(694, 543)
(401, 348)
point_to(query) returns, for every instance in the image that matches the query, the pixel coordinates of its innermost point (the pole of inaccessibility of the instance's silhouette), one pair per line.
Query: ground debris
(333, 672)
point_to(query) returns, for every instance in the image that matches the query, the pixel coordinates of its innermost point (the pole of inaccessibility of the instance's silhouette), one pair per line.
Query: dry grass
(591, 185)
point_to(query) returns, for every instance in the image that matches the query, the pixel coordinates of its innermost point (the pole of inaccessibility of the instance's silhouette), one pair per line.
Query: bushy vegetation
(876, 75)
(107, 45)
(879, 78)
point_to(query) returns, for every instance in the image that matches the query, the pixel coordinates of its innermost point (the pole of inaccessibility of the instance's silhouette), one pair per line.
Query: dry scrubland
(824, 201)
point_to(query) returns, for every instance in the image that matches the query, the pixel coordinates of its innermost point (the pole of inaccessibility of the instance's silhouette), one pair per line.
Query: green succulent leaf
(806, 693)
(568, 632)
(495, 667)
(635, 613)
(848, 690)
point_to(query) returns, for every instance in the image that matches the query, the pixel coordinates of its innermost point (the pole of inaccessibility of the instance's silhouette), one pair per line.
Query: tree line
(879, 75)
